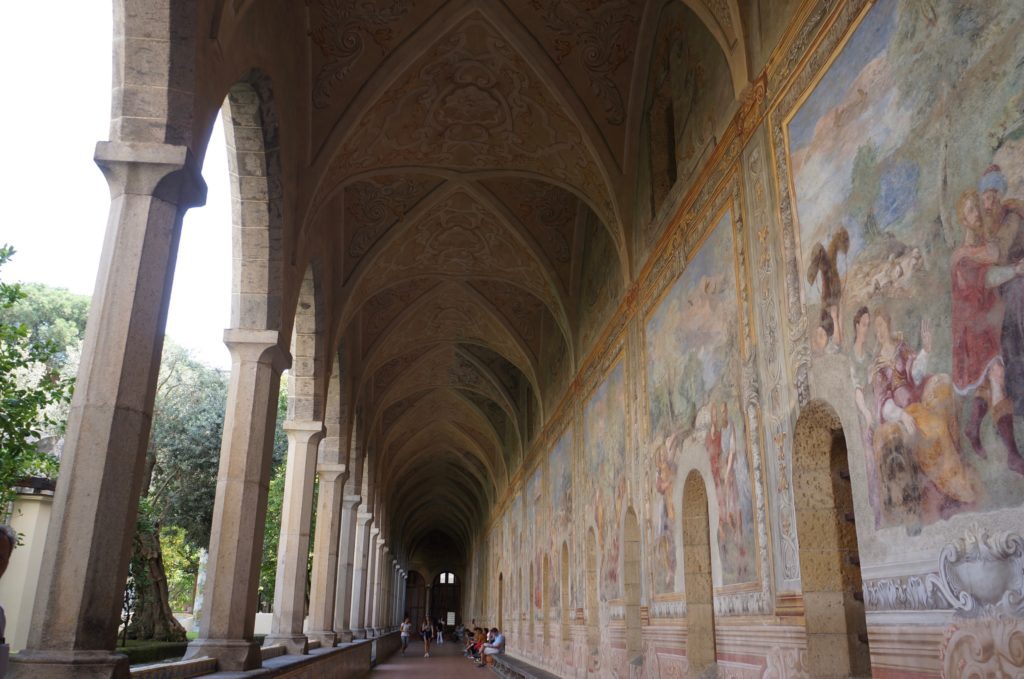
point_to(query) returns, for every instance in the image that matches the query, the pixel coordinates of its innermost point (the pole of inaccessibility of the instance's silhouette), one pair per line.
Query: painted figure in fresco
(823, 336)
(825, 264)
(917, 429)
(1002, 222)
(664, 484)
(978, 321)
(726, 463)
(860, 376)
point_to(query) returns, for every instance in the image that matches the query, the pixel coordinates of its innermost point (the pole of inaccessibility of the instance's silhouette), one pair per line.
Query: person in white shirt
(405, 630)
(493, 647)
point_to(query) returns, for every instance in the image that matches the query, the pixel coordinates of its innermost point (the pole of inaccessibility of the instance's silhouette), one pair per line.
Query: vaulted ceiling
(449, 163)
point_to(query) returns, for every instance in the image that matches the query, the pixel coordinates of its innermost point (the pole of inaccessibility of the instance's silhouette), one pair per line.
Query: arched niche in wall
(593, 615)
(564, 573)
(837, 642)
(631, 584)
(700, 611)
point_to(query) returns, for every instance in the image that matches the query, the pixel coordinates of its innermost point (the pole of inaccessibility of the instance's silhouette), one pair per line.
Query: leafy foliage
(30, 385)
(50, 315)
(275, 501)
(184, 444)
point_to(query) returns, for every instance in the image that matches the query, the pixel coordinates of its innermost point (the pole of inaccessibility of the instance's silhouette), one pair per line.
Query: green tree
(50, 314)
(275, 500)
(30, 385)
(179, 483)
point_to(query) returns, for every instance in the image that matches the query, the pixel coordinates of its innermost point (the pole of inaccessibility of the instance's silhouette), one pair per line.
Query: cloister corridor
(672, 338)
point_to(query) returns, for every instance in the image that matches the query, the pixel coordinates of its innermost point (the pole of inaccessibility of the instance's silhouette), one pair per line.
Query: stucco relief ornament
(341, 35)
(982, 577)
(981, 574)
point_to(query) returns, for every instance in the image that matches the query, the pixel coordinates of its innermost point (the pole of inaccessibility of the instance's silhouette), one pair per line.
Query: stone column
(346, 559)
(385, 589)
(360, 573)
(77, 606)
(371, 583)
(427, 604)
(293, 545)
(396, 607)
(380, 592)
(392, 593)
(325, 577)
(240, 507)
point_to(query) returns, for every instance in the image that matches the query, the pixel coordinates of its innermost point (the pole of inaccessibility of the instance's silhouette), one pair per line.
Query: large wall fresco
(534, 517)
(604, 443)
(907, 166)
(850, 254)
(694, 409)
(559, 506)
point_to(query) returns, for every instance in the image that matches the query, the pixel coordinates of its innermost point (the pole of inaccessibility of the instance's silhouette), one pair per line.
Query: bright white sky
(55, 64)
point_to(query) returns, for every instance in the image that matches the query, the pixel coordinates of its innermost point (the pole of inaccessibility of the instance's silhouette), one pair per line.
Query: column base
(345, 636)
(232, 655)
(28, 664)
(297, 644)
(327, 638)
(360, 633)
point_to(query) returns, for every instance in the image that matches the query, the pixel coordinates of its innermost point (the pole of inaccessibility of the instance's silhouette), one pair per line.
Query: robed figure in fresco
(917, 428)
(979, 323)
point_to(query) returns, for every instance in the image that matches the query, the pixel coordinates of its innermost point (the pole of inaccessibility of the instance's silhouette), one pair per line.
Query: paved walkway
(444, 661)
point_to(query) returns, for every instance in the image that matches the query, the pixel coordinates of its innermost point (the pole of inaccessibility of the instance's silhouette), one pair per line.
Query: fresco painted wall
(604, 445)
(908, 170)
(876, 163)
(694, 409)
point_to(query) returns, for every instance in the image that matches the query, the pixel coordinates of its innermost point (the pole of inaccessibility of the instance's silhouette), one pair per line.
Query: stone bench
(511, 668)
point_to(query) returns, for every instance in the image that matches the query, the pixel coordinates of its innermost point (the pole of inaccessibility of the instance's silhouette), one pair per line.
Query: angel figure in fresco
(825, 264)
(917, 429)
(979, 372)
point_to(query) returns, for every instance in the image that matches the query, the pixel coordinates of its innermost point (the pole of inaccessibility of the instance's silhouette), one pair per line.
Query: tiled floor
(444, 661)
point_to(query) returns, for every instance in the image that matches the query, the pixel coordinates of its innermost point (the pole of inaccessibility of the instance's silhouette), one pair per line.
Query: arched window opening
(446, 597)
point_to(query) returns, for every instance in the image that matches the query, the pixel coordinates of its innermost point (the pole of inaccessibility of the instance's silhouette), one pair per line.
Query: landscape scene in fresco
(604, 439)
(907, 163)
(694, 400)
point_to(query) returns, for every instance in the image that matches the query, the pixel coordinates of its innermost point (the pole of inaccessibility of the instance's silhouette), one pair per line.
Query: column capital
(384, 548)
(312, 426)
(374, 531)
(262, 346)
(165, 171)
(351, 501)
(380, 540)
(364, 518)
